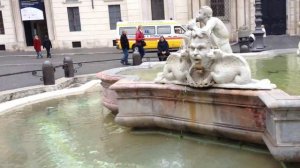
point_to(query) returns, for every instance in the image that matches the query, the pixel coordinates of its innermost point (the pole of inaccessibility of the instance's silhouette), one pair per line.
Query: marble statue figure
(212, 26)
(199, 64)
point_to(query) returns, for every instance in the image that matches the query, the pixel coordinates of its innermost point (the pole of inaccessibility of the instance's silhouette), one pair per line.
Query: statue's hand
(192, 25)
(218, 53)
(199, 32)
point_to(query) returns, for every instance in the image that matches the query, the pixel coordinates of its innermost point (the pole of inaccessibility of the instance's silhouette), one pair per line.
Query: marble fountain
(206, 89)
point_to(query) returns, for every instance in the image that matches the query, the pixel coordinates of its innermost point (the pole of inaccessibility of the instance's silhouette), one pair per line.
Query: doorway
(274, 16)
(35, 27)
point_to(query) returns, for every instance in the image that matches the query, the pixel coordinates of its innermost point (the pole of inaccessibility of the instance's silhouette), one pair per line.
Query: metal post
(258, 44)
(48, 73)
(68, 67)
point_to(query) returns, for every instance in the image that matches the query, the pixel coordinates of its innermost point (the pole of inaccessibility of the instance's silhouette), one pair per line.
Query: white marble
(202, 64)
(212, 26)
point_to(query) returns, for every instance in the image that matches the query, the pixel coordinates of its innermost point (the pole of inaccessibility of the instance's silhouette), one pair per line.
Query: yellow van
(170, 29)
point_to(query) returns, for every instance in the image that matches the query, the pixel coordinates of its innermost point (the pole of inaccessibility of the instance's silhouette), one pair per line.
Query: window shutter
(77, 19)
(71, 19)
(157, 9)
(114, 15)
(1, 24)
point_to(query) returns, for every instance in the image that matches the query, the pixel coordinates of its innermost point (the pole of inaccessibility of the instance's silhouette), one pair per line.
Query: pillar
(18, 23)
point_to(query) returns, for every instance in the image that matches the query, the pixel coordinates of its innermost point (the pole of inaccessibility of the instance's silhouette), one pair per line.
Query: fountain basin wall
(259, 116)
(229, 113)
(109, 96)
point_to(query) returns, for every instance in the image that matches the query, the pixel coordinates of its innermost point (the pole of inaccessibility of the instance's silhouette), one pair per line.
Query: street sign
(31, 10)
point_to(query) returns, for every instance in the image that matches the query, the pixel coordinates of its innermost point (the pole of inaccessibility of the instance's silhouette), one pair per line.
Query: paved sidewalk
(275, 42)
(57, 52)
(271, 42)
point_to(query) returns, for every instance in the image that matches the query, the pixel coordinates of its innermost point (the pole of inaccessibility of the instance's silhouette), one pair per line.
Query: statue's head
(204, 12)
(199, 46)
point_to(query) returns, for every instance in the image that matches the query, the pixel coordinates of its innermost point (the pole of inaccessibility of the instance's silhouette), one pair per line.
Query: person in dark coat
(125, 47)
(163, 49)
(47, 44)
(37, 44)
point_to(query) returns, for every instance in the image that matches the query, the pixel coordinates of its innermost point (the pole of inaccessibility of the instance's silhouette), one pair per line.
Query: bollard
(244, 48)
(68, 67)
(244, 39)
(48, 73)
(136, 57)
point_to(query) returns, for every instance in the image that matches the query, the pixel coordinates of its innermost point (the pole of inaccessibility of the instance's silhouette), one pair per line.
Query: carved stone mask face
(199, 48)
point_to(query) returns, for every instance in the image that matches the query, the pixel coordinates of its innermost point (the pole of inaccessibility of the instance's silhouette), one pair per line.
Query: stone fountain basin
(257, 116)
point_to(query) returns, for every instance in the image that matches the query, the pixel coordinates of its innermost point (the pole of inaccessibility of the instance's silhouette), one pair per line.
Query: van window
(130, 30)
(149, 30)
(163, 29)
(179, 30)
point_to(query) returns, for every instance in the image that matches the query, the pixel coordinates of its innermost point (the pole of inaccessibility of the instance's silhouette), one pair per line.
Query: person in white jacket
(264, 30)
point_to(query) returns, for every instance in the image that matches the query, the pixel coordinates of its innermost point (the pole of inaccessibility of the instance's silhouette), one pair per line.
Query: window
(163, 30)
(2, 47)
(1, 24)
(129, 30)
(76, 44)
(179, 30)
(149, 30)
(157, 9)
(221, 8)
(114, 15)
(218, 7)
(74, 19)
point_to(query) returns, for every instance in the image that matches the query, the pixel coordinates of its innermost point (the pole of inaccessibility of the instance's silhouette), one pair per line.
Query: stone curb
(62, 83)
(19, 103)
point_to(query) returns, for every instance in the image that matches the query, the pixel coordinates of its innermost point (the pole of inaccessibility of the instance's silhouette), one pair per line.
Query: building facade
(92, 23)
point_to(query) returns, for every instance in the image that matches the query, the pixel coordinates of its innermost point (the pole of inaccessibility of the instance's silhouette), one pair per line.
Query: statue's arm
(210, 24)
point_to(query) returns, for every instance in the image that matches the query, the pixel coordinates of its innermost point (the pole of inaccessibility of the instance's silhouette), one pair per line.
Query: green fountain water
(77, 132)
(282, 70)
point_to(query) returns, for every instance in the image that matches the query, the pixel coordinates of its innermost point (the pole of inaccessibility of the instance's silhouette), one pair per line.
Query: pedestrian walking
(37, 44)
(140, 40)
(48, 45)
(125, 48)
